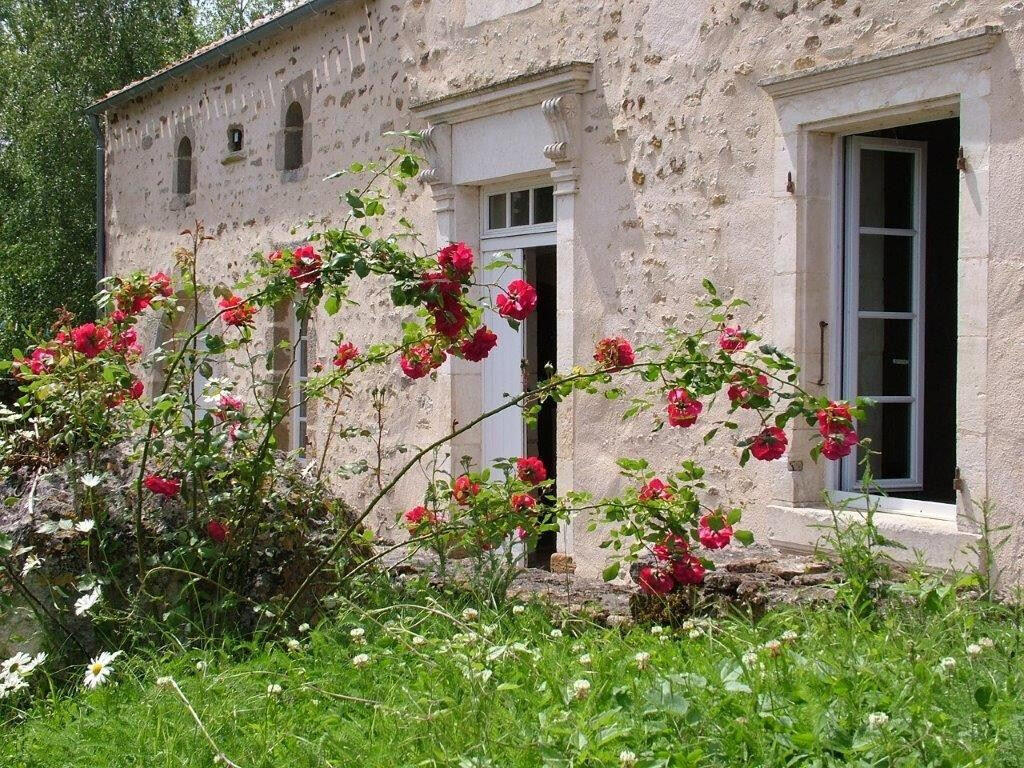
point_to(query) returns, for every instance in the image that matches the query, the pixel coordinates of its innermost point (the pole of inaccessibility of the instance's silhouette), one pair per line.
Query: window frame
(291, 131)
(299, 431)
(179, 159)
(851, 314)
(506, 189)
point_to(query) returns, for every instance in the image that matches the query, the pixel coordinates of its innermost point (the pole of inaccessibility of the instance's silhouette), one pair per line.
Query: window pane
(883, 357)
(520, 204)
(886, 273)
(888, 427)
(886, 189)
(543, 205)
(496, 212)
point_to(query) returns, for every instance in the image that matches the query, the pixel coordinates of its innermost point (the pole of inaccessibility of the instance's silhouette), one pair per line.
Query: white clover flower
(694, 634)
(657, 629)
(164, 682)
(774, 647)
(749, 659)
(974, 649)
(488, 629)
(99, 669)
(789, 636)
(642, 659)
(688, 625)
(581, 688)
(585, 660)
(293, 644)
(986, 642)
(418, 640)
(85, 526)
(877, 719)
(85, 603)
(470, 614)
(518, 609)
(358, 635)
(304, 627)
(360, 660)
(274, 689)
(201, 666)
(31, 563)
(627, 759)
(948, 664)
(556, 633)
(90, 480)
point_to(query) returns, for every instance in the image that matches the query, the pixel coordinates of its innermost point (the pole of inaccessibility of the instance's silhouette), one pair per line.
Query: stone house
(849, 166)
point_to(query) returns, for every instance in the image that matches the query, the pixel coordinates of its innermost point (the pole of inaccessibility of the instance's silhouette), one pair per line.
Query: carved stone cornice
(436, 146)
(962, 45)
(563, 116)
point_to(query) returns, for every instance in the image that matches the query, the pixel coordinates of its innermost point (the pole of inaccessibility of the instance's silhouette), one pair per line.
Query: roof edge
(216, 53)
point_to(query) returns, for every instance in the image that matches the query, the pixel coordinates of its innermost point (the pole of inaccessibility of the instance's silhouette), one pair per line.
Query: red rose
(688, 570)
(522, 502)
(655, 489)
(306, 269)
(161, 283)
(449, 316)
(741, 393)
(614, 353)
(672, 546)
(480, 345)
(90, 339)
(464, 489)
(126, 342)
(769, 445)
(732, 339)
(838, 444)
(418, 518)
(217, 531)
(655, 580)
(682, 409)
(709, 537)
(835, 416)
(227, 406)
(459, 257)
(531, 470)
(164, 486)
(136, 390)
(519, 300)
(344, 354)
(419, 360)
(275, 256)
(40, 361)
(237, 313)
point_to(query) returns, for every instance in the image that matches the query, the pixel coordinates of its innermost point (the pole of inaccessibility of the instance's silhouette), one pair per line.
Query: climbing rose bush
(221, 522)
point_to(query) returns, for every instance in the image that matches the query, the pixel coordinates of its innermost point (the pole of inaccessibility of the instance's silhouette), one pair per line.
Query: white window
(300, 374)
(883, 334)
(519, 210)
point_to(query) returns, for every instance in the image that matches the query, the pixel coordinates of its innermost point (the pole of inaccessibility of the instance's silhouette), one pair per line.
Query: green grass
(504, 696)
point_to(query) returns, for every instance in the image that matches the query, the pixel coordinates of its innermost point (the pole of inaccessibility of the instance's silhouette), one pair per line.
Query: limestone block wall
(676, 180)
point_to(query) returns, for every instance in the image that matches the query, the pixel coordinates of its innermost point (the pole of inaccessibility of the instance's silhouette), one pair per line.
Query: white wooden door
(504, 435)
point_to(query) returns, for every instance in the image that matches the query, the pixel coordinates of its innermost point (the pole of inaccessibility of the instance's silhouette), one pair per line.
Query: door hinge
(961, 160)
(958, 481)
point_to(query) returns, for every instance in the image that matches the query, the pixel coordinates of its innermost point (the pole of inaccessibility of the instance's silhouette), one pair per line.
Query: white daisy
(581, 688)
(85, 603)
(360, 660)
(99, 669)
(877, 719)
(31, 563)
(90, 480)
(85, 526)
(15, 663)
(11, 683)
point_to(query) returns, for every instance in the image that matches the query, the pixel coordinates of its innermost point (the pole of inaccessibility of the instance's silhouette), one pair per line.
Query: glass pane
(888, 427)
(543, 205)
(520, 208)
(886, 273)
(496, 212)
(883, 357)
(886, 189)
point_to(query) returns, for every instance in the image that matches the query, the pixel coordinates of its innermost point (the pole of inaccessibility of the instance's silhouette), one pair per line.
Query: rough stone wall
(675, 179)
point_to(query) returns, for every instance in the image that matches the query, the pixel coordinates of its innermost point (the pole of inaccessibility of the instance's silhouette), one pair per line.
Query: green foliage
(57, 57)
(218, 18)
(805, 687)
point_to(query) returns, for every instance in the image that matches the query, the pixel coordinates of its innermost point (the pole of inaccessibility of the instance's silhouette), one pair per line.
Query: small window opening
(521, 208)
(184, 167)
(293, 137)
(235, 138)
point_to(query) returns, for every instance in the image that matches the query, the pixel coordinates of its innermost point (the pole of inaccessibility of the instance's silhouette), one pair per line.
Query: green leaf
(746, 538)
(984, 695)
(611, 571)
(709, 287)
(332, 304)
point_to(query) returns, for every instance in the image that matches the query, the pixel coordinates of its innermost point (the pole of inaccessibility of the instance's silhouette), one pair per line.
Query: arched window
(293, 137)
(183, 183)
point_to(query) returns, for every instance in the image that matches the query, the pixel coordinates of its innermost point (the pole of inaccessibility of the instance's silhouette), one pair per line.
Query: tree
(56, 58)
(218, 18)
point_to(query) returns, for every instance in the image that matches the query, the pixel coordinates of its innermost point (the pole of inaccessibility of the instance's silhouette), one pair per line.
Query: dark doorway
(939, 295)
(541, 351)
